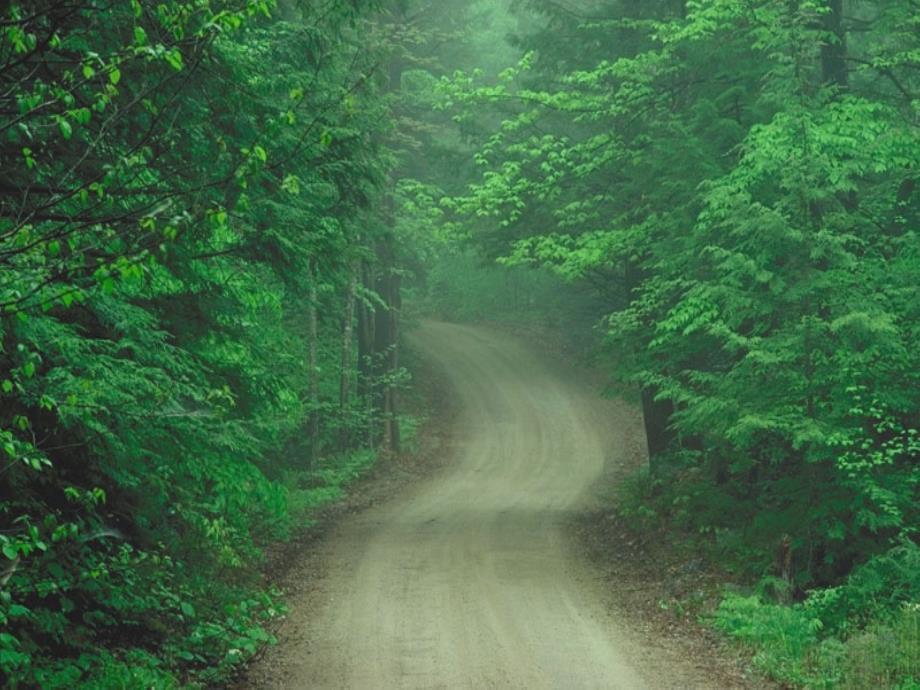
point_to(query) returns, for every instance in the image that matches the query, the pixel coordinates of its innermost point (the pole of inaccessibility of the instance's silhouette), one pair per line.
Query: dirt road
(470, 580)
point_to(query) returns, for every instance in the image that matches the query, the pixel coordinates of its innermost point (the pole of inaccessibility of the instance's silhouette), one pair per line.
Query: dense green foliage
(209, 212)
(193, 231)
(739, 180)
(791, 644)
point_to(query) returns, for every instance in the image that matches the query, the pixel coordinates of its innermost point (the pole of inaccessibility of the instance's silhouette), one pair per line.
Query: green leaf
(18, 610)
(82, 115)
(174, 59)
(291, 184)
(66, 129)
(115, 75)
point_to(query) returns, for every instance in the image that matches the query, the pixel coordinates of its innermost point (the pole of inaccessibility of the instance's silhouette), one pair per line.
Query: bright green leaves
(20, 452)
(174, 59)
(696, 312)
(80, 116)
(64, 127)
(10, 551)
(22, 40)
(254, 160)
(291, 184)
(90, 498)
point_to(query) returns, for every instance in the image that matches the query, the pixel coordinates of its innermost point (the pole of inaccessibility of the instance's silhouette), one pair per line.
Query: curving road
(470, 580)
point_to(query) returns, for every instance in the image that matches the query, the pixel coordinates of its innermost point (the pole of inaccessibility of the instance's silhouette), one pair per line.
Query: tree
(728, 173)
(181, 180)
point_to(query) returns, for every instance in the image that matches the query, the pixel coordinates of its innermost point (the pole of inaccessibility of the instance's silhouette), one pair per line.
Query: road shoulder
(300, 567)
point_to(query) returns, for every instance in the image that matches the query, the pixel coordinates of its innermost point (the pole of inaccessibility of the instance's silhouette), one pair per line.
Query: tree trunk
(395, 302)
(388, 280)
(347, 345)
(657, 415)
(366, 355)
(313, 365)
(386, 344)
(834, 47)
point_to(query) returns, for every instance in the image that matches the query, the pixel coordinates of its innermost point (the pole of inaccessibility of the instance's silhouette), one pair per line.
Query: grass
(311, 490)
(788, 645)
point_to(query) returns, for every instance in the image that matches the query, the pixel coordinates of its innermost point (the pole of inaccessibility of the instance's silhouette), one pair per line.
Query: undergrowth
(860, 632)
(115, 616)
(791, 644)
(310, 490)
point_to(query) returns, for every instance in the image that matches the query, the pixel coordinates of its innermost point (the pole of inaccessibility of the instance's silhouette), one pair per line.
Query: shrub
(789, 644)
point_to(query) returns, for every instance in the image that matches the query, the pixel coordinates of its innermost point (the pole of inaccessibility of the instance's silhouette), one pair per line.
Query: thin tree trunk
(388, 282)
(313, 364)
(834, 49)
(656, 415)
(347, 346)
(385, 347)
(392, 391)
(366, 355)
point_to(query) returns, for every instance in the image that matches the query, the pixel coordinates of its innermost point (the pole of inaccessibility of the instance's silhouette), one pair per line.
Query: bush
(789, 644)
(781, 635)
(873, 591)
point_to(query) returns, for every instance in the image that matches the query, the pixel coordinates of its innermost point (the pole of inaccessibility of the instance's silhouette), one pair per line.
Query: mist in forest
(361, 343)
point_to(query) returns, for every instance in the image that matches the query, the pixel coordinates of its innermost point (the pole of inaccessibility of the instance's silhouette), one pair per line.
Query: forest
(221, 220)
